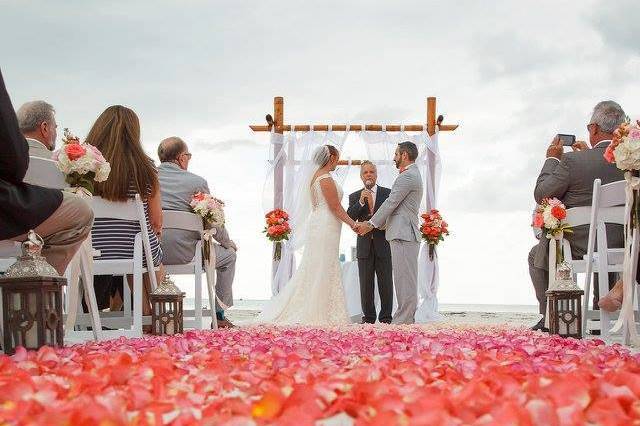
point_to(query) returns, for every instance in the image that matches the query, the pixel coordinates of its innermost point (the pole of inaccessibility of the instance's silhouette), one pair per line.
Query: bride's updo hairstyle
(324, 153)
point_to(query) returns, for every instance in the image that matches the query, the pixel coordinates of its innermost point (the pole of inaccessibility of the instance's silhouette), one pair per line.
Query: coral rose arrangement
(433, 230)
(81, 163)
(209, 208)
(624, 149)
(277, 229)
(550, 216)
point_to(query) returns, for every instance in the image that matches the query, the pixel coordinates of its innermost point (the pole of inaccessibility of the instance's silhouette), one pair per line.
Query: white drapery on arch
(298, 147)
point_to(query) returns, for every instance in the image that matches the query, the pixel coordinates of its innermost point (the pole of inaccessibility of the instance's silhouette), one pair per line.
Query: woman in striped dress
(116, 133)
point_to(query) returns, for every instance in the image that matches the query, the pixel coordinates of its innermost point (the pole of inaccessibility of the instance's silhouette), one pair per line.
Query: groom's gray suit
(399, 214)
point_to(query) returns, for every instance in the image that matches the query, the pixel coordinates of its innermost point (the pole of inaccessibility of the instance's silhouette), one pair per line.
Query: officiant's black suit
(374, 259)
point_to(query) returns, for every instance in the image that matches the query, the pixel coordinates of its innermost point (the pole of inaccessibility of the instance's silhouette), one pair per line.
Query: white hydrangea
(627, 154)
(550, 222)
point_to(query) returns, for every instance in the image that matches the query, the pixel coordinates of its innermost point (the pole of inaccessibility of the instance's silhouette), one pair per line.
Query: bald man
(177, 186)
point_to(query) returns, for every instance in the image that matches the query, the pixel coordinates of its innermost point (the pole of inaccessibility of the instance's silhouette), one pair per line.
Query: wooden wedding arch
(275, 123)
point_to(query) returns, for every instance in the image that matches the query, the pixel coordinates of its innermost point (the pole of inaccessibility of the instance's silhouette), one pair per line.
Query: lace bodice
(317, 198)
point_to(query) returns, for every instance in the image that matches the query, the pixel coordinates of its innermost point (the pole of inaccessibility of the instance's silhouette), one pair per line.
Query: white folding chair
(607, 207)
(44, 172)
(191, 222)
(130, 210)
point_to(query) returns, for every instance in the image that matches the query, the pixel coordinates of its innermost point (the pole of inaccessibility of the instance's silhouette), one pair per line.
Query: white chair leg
(585, 303)
(605, 317)
(73, 291)
(90, 300)
(137, 300)
(211, 289)
(198, 298)
(126, 298)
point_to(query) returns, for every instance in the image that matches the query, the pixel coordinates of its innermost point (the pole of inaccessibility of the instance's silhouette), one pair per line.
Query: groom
(399, 214)
(374, 254)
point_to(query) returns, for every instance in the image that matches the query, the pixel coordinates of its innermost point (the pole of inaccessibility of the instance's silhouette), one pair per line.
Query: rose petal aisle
(363, 375)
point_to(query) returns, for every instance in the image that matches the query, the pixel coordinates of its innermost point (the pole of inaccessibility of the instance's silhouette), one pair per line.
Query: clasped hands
(362, 228)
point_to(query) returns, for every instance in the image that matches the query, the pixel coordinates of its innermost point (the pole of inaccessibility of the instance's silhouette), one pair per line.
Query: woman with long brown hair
(116, 133)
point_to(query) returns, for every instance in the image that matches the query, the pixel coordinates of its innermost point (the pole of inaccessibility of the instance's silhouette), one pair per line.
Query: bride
(314, 295)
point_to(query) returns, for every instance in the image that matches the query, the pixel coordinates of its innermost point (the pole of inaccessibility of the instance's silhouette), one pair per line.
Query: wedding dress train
(314, 295)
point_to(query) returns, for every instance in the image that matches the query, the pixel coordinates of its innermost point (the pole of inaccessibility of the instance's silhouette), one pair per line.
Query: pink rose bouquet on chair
(81, 163)
(550, 216)
(209, 208)
(624, 151)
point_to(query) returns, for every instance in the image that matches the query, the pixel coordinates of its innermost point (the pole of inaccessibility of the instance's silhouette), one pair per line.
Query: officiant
(372, 250)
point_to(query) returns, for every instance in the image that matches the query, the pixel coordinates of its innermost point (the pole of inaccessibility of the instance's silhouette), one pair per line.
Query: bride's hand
(354, 227)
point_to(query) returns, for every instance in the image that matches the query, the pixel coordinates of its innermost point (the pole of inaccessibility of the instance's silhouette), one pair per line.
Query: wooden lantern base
(565, 312)
(32, 312)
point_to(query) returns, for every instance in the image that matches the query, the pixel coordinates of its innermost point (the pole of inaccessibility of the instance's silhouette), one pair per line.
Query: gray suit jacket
(177, 186)
(37, 149)
(571, 181)
(401, 210)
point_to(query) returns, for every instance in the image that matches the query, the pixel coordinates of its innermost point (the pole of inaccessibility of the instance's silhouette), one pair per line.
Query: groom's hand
(364, 228)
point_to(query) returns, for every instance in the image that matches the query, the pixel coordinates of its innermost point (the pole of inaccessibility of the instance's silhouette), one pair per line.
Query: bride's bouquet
(209, 208)
(277, 229)
(433, 230)
(81, 163)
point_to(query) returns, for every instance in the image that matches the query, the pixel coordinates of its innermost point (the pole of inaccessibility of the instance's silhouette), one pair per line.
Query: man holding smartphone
(569, 177)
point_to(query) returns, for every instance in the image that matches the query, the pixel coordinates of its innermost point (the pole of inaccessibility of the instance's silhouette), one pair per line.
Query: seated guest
(61, 219)
(37, 123)
(177, 186)
(116, 133)
(569, 177)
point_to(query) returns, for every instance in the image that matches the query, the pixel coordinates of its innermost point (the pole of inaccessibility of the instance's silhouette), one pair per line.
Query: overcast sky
(512, 74)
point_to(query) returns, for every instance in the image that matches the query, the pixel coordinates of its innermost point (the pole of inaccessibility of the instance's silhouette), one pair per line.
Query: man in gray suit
(37, 121)
(177, 186)
(569, 177)
(399, 215)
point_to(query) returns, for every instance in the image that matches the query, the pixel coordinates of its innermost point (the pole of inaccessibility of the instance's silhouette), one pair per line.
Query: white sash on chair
(210, 271)
(626, 318)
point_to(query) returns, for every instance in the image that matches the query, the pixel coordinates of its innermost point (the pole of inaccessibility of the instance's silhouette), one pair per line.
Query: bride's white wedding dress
(314, 295)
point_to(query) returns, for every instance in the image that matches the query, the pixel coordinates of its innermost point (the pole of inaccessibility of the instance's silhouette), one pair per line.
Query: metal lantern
(564, 301)
(32, 300)
(166, 305)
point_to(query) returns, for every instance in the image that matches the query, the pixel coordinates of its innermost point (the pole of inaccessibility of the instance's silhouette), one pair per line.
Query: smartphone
(567, 140)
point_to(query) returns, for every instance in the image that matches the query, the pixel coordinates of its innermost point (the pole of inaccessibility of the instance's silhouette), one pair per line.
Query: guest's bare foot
(115, 302)
(613, 300)
(225, 323)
